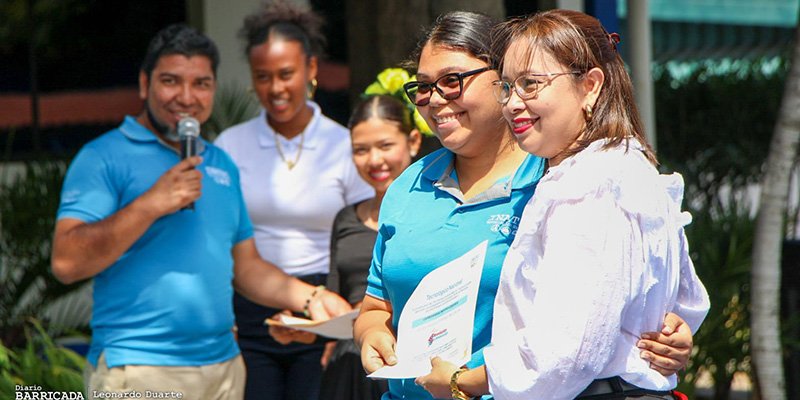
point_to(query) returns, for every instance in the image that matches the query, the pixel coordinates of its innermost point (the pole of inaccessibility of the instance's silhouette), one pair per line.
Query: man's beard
(166, 131)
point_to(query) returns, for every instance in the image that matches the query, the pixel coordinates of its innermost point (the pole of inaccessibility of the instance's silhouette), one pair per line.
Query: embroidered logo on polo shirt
(505, 224)
(219, 176)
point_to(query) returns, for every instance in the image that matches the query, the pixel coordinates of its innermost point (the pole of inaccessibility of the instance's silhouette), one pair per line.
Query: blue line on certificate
(438, 314)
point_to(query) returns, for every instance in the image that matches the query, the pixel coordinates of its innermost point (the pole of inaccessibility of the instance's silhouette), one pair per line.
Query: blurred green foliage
(233, 104)
(28, 203)
(26, 20)
(39, 362)
(721, 243)
(714, 127)
(716, 124)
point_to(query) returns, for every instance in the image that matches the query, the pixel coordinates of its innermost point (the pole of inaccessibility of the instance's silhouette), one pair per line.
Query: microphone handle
(188, 149)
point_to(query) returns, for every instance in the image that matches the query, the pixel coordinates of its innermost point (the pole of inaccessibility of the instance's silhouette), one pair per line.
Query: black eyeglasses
(449, 87)
(526, 86)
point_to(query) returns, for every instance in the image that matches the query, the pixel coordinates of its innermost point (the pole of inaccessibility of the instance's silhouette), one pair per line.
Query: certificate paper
(438, 318)
(340, 327)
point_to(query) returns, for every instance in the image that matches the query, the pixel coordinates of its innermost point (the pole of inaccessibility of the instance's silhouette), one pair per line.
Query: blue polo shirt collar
(266, 136)
(529, 173)
(439, 167)
(441, 172)
(134, 131)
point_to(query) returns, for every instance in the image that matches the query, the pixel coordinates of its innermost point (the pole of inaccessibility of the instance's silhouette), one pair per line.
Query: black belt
(615, 387)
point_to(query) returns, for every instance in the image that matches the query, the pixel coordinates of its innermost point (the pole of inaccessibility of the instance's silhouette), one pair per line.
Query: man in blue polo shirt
(164, 275)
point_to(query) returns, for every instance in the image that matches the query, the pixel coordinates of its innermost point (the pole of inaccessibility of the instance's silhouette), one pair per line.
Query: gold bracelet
(457, 393)
(317, 289)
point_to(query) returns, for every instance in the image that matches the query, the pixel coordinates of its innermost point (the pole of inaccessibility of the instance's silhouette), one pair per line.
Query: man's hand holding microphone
(189, 132)
(181, 185)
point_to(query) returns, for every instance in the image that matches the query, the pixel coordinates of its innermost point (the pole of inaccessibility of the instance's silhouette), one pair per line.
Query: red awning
(70, 108)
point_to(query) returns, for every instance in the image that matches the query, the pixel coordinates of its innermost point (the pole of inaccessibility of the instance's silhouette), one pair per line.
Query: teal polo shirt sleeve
(89, 192)
(375, 286)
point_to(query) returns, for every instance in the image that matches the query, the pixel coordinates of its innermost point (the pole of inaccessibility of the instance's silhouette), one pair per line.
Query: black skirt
(345, 379)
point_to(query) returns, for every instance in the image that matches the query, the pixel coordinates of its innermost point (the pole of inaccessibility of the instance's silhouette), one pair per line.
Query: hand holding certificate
(438, 318)
(340, 327)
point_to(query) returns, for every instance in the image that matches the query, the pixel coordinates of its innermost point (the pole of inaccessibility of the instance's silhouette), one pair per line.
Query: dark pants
(345, 379)
(275, 371)
(615, 388)
(627, 397)
(290, 376)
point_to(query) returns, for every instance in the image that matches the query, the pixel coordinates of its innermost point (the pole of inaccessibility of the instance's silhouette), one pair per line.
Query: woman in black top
(384, 142)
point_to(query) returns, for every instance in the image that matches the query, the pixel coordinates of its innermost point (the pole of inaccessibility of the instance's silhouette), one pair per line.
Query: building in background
(87, 52)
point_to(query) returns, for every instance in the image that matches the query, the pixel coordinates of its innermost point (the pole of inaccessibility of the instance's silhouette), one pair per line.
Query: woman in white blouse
(296, 174)
(600, 253)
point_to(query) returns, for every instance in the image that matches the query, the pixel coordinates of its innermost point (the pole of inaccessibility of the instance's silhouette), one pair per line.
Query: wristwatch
(457, 393)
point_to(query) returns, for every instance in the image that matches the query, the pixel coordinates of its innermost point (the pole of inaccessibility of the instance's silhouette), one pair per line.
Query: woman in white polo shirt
(296, 174)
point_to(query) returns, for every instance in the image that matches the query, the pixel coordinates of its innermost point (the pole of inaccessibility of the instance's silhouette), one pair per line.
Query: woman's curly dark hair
(287, 21)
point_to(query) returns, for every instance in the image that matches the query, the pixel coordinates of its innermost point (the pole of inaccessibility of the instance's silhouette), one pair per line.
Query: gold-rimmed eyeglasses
(526, 86)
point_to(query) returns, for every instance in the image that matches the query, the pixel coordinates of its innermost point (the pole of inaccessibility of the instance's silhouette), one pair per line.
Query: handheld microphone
(188, 132)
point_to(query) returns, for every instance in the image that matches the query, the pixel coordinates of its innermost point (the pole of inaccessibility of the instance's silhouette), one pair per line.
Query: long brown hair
(579, 42)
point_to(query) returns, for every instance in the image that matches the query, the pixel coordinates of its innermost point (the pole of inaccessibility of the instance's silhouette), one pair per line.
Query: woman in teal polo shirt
(472, 190)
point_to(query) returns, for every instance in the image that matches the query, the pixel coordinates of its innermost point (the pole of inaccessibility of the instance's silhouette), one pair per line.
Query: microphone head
(188, 126)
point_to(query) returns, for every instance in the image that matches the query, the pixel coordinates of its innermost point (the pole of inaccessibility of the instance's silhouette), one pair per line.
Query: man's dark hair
(179, 39)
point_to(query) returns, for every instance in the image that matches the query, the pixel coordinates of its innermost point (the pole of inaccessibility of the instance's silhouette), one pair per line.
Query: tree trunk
(494, 8)
(722, 388)
(382, 34)
(769, 235)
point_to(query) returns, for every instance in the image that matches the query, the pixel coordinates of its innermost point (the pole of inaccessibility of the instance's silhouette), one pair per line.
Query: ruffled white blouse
(600, 257)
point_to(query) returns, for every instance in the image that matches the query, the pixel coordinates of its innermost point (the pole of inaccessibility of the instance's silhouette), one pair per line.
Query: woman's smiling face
(280, 71)
(465, 124)
(550, 122)
(381, 151)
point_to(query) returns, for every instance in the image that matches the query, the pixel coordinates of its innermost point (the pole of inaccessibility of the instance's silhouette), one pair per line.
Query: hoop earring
(587, 112)
(312, 88)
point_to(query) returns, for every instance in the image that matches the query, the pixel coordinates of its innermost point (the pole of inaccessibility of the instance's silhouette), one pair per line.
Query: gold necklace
(290, 163)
